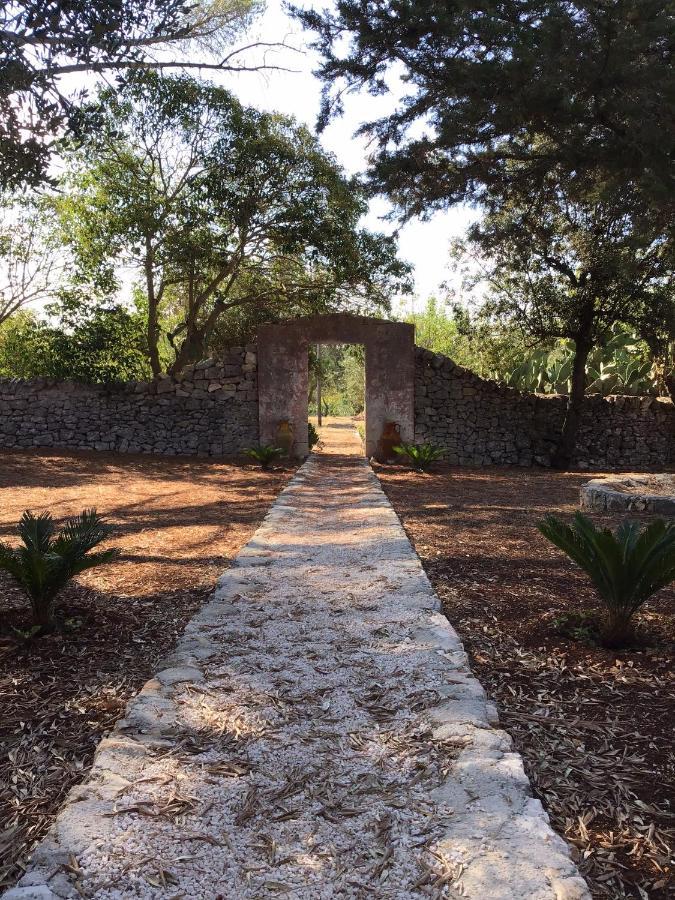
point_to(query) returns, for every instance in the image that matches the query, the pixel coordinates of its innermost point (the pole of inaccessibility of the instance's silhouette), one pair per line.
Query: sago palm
(265, 454)
(626, 568)
(421, 456)
(46, 561)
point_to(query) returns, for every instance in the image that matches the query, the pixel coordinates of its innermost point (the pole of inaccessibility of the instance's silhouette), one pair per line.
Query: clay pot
(391, 437)
(284, 437)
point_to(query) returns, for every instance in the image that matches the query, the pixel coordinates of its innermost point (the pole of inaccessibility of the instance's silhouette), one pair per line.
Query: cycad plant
(421, 456)
(626, 568)
(47, 560)
(265, 454)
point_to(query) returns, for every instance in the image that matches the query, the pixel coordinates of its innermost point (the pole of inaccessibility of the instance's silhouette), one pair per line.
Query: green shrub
(421, 456)
(265, 454)
(626, 568)
(46, 563)
(312, 436)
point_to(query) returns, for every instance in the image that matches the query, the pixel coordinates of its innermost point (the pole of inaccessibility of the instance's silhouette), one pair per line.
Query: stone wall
(211, 409)
(481, 422)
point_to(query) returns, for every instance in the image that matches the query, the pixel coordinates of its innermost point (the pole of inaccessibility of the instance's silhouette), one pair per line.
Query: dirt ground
(595, 726)
(178, 524)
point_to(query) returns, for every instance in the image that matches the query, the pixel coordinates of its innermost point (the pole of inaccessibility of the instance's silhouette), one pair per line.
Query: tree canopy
(217, 206)
(43, 42)
(499, 93)
(561, 268)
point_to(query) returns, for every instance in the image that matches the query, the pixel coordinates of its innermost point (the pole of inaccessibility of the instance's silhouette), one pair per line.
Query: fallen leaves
(595, 728)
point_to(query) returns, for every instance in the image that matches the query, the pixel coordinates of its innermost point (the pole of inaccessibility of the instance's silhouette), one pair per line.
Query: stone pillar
(283, 374)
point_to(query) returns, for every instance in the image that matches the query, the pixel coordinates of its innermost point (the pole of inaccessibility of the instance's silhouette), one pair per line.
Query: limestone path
(317, 734)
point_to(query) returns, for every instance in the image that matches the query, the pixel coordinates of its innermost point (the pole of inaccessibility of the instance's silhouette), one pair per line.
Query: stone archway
(283, 375)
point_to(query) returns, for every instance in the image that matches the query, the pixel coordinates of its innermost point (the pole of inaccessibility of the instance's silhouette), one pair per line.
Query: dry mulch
(594, 726)
(178, 524)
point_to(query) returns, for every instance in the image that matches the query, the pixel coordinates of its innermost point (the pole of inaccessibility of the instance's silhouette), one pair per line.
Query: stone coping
(639, 493)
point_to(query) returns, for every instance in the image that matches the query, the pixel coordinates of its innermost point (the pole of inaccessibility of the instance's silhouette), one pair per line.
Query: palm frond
(627, 568)
(36, 531)
(10, 561)
(81, 534)
(44, 564)
(420, 455)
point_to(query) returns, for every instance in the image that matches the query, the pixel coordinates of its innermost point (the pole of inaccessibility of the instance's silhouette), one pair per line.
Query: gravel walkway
(317, 734)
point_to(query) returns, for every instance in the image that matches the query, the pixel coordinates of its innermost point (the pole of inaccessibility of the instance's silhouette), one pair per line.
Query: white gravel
(317, 734)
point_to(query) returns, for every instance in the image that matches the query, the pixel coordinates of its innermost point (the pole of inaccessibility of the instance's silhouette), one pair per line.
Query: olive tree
(217, 206)
(569, 269)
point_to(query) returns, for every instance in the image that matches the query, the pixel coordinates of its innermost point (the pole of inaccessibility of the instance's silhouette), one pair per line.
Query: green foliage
(342, 368)
(622, 365)
(107, 346)
(436, 329)
(626, 568)
(589, 93)
(312, 435)
(421, 456)
(47, 560)
(265, 454)
(218, 207)
(40, 42)
(474, 340)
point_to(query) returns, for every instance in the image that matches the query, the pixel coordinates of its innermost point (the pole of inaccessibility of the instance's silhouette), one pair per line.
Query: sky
(297, 93)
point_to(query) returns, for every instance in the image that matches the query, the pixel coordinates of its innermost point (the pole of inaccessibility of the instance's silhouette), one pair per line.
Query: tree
(103, 344)
(435, 328)
(341, 369)
(500, 93)
(218, 206)
(563, 269)
(470, 337)
(654, 320)
(42, 42)
(30, 267)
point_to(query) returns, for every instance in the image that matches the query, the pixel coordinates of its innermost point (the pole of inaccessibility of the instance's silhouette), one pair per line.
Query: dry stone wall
(481, 422)
(211, 409)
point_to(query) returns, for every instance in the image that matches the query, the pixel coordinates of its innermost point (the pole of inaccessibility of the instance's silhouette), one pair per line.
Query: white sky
(424, 244)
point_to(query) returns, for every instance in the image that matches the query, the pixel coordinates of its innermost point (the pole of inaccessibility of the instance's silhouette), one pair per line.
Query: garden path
(317, 734)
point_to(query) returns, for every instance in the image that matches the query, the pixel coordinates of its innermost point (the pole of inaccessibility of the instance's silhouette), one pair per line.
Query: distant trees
(30, 267)
(100, 344)
(43, 44)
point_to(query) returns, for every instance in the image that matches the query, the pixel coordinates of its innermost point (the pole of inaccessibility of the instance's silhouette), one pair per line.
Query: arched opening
(337, 387)
(283, 379)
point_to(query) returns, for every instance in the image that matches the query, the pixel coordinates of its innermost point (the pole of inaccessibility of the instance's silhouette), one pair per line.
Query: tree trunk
(190, 351)
(43, 615)
(618, 630)
(669, 381)
(562, 458)
(318, 385)
(153, 312)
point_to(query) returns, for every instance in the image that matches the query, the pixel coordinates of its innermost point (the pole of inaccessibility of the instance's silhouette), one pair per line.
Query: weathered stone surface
(480, 422)
(211, 409)
(283, 375)
(655, 493)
